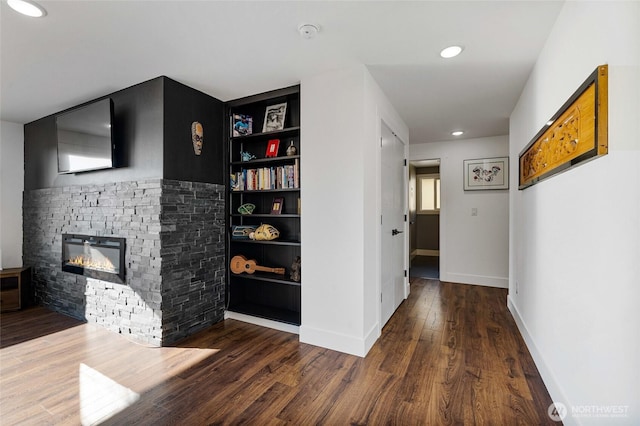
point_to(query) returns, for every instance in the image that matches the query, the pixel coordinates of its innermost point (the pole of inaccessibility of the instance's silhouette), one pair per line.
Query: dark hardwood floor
(451, 354)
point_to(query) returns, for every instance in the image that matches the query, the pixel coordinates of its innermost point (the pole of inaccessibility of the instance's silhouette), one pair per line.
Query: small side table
(15, 288)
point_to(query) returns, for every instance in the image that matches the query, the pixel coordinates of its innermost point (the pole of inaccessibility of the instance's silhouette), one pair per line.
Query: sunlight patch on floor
(101, 397)
(84, 374)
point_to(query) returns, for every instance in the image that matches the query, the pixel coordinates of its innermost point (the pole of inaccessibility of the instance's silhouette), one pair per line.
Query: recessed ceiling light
(457, 133)
(27, 7)
(451, 52)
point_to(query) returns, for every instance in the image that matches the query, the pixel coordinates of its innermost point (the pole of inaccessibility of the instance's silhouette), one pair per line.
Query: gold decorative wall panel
(576, 133)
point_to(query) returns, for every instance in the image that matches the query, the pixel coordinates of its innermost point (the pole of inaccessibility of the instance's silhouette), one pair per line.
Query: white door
(393, 224)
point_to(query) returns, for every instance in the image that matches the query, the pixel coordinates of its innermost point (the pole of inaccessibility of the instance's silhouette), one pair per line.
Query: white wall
(11, 187)
(575, 280)
(339, 174)
(473, 249)
(377, 109)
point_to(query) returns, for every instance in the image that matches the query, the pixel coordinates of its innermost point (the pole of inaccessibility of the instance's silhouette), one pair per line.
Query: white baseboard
(334, 341)
(338, 342)
(276, 325)
(553, 387)
(487, 281)
(370, 338)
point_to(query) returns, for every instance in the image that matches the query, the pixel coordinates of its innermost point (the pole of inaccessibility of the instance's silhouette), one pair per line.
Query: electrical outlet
(474, 211)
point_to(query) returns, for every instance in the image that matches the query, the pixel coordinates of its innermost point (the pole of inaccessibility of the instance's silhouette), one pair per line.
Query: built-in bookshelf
(264, 188)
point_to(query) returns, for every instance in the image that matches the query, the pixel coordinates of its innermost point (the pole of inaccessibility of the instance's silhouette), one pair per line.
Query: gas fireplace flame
(89, 263)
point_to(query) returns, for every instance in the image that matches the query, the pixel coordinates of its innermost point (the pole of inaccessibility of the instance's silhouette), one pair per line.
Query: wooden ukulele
(240, 264)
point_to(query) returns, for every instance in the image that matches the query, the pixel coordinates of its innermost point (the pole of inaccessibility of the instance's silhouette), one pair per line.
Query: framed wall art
(486, 173)
(578, 132)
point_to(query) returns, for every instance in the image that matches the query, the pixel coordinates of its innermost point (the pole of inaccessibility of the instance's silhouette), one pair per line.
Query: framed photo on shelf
(274, 117)
(242, 125)
(276, 207)
(272, 148)
(486, 173)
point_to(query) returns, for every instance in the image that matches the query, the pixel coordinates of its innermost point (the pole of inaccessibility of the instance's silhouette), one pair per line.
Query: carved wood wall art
(576, 133)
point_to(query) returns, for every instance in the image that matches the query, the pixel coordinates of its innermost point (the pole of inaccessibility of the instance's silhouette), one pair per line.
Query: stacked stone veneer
(193, 265)
(174, 259)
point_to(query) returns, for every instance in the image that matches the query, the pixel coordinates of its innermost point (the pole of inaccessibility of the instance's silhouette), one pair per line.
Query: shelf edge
(276, 325)
(257, 135)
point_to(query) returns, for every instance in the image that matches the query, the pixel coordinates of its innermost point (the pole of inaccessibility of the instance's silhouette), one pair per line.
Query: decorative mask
(197, 137)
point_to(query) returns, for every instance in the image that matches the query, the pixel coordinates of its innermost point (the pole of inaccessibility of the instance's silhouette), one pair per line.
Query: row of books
(282, 177)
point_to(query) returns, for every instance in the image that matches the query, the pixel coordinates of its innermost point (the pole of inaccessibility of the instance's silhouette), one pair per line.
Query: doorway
(424, 218)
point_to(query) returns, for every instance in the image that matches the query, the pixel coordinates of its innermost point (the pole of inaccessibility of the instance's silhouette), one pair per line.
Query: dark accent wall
(138, 131)
(152, 129)
(182, 106)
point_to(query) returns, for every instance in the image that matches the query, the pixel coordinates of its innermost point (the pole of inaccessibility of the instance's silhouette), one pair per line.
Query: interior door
(393, 190)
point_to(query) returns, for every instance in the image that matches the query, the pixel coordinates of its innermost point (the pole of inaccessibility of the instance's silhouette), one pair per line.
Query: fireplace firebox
(99, 257)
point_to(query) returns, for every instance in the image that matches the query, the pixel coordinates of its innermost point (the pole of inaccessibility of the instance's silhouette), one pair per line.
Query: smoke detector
(308, 31)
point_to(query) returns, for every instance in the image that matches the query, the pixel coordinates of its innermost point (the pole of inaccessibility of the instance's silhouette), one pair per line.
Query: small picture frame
(274, 117)
(272, 148)
(486, 173)
(242, 125)
(276, 207)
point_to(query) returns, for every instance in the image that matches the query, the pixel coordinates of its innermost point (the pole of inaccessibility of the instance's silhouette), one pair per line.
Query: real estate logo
(557, 411)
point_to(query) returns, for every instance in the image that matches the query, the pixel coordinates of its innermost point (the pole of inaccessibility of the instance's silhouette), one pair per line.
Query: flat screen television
(85, 137)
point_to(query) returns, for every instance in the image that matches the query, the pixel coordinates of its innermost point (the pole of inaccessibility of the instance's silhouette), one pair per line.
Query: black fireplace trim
(98, 241)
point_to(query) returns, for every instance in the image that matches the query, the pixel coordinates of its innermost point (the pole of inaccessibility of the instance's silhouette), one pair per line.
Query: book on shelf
(265, 178)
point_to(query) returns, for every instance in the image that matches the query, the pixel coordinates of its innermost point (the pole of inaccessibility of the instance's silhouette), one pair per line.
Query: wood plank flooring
(451, 354)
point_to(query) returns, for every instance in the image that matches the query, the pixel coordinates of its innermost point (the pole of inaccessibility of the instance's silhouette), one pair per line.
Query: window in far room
(428, 194)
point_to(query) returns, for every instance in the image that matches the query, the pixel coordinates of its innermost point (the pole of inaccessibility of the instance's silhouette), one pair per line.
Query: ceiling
(229, 49)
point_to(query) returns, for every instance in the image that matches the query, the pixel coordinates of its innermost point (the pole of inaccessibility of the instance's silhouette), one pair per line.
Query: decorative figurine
(246, 156)
(197, 137)
(292, 150)
(246, 208)
(296, 268)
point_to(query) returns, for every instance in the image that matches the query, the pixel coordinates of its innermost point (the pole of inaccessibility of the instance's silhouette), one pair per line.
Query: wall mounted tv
(85, 137)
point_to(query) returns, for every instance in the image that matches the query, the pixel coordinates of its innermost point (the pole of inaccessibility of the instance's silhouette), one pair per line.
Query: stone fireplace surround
(175, 255)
